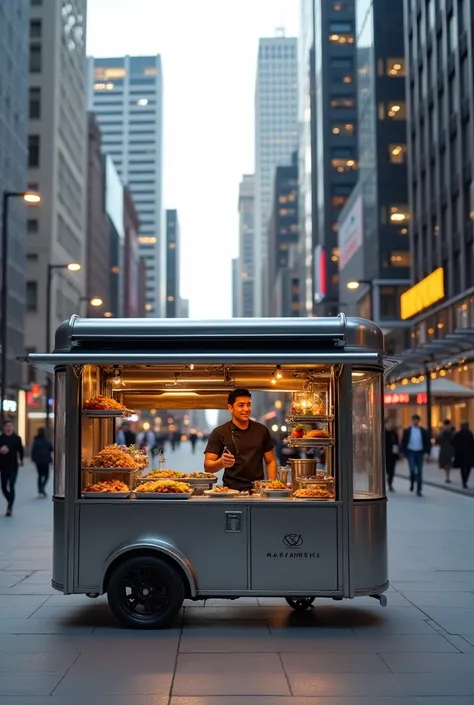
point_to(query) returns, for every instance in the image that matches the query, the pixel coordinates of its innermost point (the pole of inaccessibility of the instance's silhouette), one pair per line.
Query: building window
(342, 101)
(400, 259)
(335, 254)
(341, 32)
(32, 297)
(338, 201)
(342, 159)
(396, 67)
(35, 29)
(147, 240)
(397, 153)
(33, 151)
(452, 33)
(342, 6)
(32, 226)
(35, 58)
(344, 129)
(35, 103)
(393, 110)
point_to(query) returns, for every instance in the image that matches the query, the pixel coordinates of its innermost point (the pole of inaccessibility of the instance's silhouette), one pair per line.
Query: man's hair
(415, 417)
(7, 421)
(237, 393)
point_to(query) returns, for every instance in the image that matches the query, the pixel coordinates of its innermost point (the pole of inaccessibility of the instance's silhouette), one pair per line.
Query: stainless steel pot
(302, 468)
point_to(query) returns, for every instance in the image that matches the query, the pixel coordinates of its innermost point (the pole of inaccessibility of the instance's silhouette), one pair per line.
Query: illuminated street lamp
(356, 284)
(33, 199)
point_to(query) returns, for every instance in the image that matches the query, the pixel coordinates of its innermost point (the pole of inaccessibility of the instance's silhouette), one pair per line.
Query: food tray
(106, 413)
(109, 495)
(277, 493)
(163, 495)
(314, 499)
(309, 442)
(109, 469)
(222, 495)
(199, 480)
(309, 419)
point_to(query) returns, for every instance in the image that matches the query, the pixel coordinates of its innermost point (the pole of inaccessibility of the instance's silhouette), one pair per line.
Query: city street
(419, 650)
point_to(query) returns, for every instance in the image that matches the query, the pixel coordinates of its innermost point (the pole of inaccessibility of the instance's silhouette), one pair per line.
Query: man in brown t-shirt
(241, 446)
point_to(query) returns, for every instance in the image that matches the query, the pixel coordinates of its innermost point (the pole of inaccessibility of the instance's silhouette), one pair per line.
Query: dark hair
(465, 425)
(447, 422)
(41, 432)
(237, 393)
(415, 417)
(7, 421)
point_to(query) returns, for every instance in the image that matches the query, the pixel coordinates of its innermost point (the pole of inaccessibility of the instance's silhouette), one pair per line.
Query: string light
(278, 372)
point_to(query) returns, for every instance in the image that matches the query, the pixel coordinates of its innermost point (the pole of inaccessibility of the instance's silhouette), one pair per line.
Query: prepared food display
(221, 491)
(166, 489)
(164, 474)
(303, 431)
(112, 457)
(274, 485)
(313, 493)
(200, 476)
(140, 457)
(110, 487)
(104, 406)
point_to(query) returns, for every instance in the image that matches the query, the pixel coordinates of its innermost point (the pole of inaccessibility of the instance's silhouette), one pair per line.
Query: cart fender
(159, 547)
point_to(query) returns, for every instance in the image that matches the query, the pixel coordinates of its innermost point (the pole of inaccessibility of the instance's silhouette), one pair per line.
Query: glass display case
(367, 432)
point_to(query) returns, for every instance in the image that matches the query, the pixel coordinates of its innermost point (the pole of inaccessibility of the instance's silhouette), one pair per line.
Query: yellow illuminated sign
(422, 295)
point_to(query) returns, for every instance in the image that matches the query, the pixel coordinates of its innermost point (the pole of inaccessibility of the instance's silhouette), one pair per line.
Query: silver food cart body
(248, 546)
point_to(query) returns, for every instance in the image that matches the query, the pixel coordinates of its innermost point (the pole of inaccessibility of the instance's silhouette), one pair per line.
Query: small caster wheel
(383, 600)
(300, 603)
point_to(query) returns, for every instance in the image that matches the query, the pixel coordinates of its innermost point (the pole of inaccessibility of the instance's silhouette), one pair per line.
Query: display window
(59, 436)
(367, 435)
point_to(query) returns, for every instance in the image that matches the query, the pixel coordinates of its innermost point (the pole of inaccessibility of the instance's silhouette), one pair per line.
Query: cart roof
(257, 340)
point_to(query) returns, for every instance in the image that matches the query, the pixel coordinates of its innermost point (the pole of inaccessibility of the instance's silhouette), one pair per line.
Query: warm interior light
(32, 197)
(73, 266)
(278, 373)
(148, 307)
(96, 301)
(108, 314)
(397, 216)
(146, 426)
(353, 285)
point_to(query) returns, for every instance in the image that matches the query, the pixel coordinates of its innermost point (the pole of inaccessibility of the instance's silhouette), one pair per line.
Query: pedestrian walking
(446, 448)
(41, 455)
(392, 452)
(11, 458)
(415, 445)
(126, 437)
(193, 440)
(463, 443)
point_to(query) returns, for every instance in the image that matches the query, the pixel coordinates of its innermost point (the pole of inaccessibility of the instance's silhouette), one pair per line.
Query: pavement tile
(110, 674)
(38, 662)
(452, 620)
(443, 700)
(14, 683)
(425, 586)
(301, 664)
(8, 580)
(276, 700)
(41, 626)
(91, 700)
(463, 600)
(149, 641)
(428, 663)
(217, 674)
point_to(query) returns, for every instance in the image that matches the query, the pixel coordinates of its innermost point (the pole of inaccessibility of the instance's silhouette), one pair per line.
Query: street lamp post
(72, 267)
(28, 197)
(353, 285)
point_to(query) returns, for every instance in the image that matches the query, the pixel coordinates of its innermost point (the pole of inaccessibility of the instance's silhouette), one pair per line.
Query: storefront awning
(440, 388)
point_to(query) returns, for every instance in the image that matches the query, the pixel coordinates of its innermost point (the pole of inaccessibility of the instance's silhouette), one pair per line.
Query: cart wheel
(300, 603)
(145, 592)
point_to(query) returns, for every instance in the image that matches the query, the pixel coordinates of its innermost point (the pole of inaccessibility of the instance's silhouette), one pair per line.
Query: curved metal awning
(440, 388)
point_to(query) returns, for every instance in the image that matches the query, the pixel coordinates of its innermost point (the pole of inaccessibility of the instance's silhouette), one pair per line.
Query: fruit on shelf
(299, 431)
(317, 433)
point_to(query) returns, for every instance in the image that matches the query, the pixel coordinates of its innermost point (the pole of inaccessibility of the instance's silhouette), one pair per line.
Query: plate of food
(105, 407)
(221, 492)
(312, 493)
(112, 458)
(163, 475)
(112, 489)
(275, 488)
(200, 478)
(163, 489)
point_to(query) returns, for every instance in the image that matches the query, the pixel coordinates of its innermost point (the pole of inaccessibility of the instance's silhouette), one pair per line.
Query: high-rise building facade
(335, 118)
(126, 93)
(246, 267)
(373, 228)
(235, 287)
(57, 165)
(131, 265)
(14, 27)
(276, 138)
(172, 264)
(98, 242)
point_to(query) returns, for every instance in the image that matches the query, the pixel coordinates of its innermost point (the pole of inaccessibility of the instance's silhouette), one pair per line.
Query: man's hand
(4, 450)
(228, 460)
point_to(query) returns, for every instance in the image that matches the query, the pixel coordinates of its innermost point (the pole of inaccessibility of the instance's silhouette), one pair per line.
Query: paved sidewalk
(434, 477)
(58, 650)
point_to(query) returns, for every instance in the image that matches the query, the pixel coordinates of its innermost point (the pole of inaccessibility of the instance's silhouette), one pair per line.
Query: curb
(447, 488)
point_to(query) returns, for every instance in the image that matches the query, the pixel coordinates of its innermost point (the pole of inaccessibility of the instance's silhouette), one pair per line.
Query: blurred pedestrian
(193, 440)
(446, 448)
(392, 452)
(126, 437)
(463, 443)
(41, 455)
(11, 458)
(415, 445)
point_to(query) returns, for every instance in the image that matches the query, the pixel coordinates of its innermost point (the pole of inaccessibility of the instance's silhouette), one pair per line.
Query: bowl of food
(313, 492)
(276, 489)
(163, 489)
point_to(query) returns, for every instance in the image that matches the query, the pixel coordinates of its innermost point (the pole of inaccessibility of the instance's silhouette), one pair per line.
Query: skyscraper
(276, 138)
(126, 93)
(14, 24)
(172, 264)
(245, 284)
(57, 161)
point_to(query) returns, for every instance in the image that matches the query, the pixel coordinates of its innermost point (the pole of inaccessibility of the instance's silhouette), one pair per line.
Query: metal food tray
(110, 495)
(277, 493)
(199, 480)
(315, 499)
(309, 419)
(163, 495)
(106, 413)
(309, 442)
(222, 495)
(143, 479)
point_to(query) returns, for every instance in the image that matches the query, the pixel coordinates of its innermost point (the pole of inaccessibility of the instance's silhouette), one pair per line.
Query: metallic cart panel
(370, 569)
(59, 565)
(294, 548)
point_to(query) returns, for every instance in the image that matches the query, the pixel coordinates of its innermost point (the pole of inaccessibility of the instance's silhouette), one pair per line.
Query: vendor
(240, 446)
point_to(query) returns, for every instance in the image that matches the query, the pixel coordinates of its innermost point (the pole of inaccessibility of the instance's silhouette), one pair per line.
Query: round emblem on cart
(293, 540)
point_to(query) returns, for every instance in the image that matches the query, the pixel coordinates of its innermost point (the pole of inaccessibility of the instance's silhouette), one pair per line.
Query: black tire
(300, 603)
(145, 592)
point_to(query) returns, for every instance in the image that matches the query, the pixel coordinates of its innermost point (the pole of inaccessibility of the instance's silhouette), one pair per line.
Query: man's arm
(271, 464)
(21, 450)
(213, 462)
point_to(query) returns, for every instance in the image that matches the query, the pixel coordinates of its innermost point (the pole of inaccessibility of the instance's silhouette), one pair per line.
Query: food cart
(149, 544)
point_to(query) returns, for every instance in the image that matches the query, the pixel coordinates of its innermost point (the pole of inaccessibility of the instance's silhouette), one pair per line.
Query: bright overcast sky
(209, 54)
